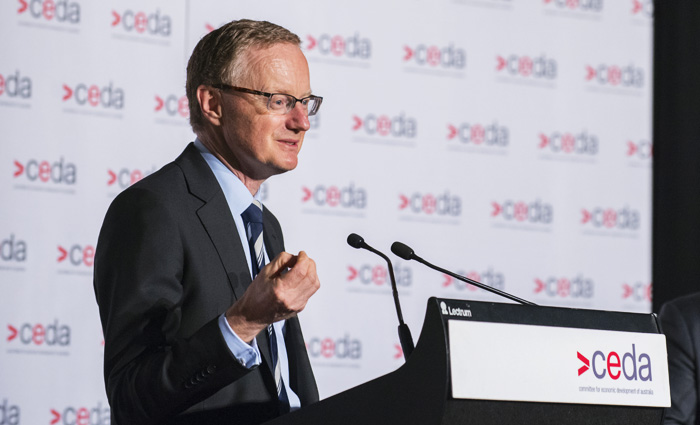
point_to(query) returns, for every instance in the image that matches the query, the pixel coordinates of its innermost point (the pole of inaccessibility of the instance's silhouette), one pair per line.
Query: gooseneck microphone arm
(405, 338)
(405, 252)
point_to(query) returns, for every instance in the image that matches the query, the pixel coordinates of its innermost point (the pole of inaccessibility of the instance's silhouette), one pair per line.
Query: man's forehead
(281, 67)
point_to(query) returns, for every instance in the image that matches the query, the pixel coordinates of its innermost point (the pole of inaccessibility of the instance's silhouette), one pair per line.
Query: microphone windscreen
(355, 240)
(402, 251)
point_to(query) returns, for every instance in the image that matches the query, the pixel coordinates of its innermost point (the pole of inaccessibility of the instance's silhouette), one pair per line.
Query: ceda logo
(610, 365)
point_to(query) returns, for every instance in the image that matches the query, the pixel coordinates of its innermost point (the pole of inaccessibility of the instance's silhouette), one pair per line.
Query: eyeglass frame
(319, 99)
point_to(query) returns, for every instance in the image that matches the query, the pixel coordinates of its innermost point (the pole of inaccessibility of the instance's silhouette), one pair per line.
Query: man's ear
(209, 100)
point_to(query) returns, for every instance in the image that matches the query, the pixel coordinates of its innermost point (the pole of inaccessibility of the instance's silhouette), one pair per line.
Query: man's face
(263, 143)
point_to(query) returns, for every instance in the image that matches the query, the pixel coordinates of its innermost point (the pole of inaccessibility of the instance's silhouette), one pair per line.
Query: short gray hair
(215, 59)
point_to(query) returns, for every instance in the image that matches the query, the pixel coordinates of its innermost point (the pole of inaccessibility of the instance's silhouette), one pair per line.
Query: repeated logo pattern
(522, 164)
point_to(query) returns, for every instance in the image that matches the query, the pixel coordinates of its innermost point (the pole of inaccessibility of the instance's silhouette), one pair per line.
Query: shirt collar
(237, 194)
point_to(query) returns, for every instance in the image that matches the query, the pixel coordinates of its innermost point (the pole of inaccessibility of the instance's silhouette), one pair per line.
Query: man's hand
(280, 290)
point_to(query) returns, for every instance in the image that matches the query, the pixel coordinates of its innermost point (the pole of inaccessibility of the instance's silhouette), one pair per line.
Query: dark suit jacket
(169, 261)
(680, 321)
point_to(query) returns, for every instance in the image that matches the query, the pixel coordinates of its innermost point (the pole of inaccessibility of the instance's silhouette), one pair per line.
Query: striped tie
(253, 222)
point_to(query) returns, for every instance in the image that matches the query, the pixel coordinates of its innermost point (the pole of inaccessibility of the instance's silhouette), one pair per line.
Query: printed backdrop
(507, 140)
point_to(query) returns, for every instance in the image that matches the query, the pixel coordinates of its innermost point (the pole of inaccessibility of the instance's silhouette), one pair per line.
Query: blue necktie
(253, 222)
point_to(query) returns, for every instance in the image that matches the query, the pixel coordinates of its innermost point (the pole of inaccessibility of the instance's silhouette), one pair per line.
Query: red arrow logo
(447, 282)
(20, 169)
(63, 255)
(637, 7)
(56, 417)
(112, 177)
(631, 148)
(399, 352)
(547, 1)
(409, 53)
(539, 286)
(312, 42)
(13, 332)
(404, 202)
(69, 92)
(159, 103)
(496, 209)
(209, 27)
(544, 141)
(586, 217)
(501, 63)
(586, 363)
(353, 273)
(23, 6)
(357, 124)
(117, 19)
(628, 290)
(307, 194)
(453, 131)
(590, 73)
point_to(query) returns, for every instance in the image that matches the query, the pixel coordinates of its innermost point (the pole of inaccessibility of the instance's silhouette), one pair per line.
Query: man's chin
(275, 169)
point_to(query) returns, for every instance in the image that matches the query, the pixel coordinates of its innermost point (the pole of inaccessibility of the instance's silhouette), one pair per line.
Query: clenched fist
(279, 291)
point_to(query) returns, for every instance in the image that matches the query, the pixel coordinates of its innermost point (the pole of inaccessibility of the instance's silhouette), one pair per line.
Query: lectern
(491, 363)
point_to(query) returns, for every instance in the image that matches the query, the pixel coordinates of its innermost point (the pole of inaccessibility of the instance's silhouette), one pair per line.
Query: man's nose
(298, 118)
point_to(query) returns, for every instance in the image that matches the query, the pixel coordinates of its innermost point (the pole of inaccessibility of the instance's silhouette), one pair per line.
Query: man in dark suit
(198, 308)
(680, 321)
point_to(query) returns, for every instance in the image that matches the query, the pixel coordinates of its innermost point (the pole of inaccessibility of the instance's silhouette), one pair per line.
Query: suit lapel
(273, 244)
(215, 216)
(224, 236)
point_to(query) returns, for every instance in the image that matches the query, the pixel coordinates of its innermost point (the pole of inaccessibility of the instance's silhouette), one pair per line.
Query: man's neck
(253, 185)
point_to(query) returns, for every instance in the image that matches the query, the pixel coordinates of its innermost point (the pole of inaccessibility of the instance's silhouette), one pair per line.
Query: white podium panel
(496, 361)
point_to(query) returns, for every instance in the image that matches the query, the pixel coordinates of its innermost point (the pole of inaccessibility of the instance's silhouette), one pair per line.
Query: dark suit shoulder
(686, 302)
(168, 181)
(685, 308)
(680, 322)
(186, 179)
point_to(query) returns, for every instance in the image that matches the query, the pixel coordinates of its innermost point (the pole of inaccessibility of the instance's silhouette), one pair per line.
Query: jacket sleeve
(681, 366)
(152, 371)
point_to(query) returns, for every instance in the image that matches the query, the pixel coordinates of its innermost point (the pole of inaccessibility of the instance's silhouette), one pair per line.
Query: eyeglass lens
(282, 103)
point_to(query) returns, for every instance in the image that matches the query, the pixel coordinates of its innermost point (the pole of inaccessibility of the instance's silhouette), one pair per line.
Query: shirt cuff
(248, 355)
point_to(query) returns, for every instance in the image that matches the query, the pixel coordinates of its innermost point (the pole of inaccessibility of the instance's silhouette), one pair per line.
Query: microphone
(356, 241)
(405, 252)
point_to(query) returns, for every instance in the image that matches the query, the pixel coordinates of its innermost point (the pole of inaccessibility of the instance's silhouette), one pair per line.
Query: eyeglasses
(280, 103)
